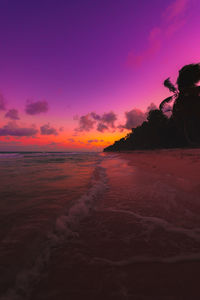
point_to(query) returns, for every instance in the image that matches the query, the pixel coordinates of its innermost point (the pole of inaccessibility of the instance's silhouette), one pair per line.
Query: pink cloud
(102, 122)
(85, 123)
(102, 127)
(12, 114)
(92, 141)
(34, 108)
(174, 10)
(135, 60)
(13, 130)
(174, 27)
(109, 118)
(95, 116)
(173, 21)
(134, 118)
(47, 130)
(106, 121)
(95, 141)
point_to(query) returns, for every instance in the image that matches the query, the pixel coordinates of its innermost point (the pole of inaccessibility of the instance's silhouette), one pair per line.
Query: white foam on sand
(146, 221)
(146, 259)
(66, 227)
(149, 223)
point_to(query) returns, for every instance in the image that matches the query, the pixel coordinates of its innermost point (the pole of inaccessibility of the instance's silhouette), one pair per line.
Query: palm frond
(167, 83)
(167, 100)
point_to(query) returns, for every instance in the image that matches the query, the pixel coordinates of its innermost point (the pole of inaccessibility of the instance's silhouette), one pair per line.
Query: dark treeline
(181, 129)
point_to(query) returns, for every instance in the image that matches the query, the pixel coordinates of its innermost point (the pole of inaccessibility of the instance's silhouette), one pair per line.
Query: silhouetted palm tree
(186, 108)
(167, 83)
(181, 129)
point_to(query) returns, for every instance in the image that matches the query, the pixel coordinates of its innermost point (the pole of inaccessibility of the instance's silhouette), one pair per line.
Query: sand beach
(141, 240)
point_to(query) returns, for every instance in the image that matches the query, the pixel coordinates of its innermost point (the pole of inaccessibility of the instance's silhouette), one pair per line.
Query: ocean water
(74, 224)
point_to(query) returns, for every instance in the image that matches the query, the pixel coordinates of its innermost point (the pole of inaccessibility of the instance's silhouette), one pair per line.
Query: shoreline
(178, 163)
(126, 224)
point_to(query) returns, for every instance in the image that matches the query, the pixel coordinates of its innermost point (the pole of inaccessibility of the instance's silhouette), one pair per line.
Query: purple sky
(89, 56)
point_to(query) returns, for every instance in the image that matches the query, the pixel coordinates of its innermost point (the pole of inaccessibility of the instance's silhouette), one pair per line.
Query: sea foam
(66, 227)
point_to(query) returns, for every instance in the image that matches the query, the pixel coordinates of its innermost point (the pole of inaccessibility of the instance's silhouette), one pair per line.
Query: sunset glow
(73, 72)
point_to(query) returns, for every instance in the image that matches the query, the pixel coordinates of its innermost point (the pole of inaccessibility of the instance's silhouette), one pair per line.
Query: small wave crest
(9, 155)
(66, 227)
(159, 222)
(146, 259)
(151, 223)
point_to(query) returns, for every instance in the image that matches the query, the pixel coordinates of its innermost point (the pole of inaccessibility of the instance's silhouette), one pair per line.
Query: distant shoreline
(153, 149)
(183, 164)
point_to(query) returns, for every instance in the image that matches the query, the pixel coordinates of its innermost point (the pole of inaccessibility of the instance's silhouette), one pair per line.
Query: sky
(78, 75)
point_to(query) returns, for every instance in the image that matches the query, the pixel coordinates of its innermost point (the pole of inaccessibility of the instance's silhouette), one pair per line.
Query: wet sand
(141, 240)
(76, 272)
(182, 164)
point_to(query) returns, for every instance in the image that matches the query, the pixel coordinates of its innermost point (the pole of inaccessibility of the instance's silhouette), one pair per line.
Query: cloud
(47, 130)
(106, 121)
(154, 45)
(134, 118)
(2, 103)
(8, 142)
(103, 122)
(109, 118)
(34, 108)
(175, 26)
(102, 127)
(86, 123)
(174, 16)
(173, 20)
(95, 141)
(95, 116)
(61, 129)
(14, 130)
(175, 9)
(12, 114)
(92, 141)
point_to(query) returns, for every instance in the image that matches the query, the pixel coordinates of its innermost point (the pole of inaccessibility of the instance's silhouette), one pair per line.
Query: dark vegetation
(181, 129)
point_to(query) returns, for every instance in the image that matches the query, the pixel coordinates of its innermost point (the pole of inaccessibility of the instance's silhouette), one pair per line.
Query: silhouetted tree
(167, 83)
(179, 130)
(186, 108)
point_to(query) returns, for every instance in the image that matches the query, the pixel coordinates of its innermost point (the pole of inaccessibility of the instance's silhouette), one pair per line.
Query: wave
(66, 224)
(191, 233)
(146, 259)
(66, 227)
(150, 223)
(10, 155)
(43, 154)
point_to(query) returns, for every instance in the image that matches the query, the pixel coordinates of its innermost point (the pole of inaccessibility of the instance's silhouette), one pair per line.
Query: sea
(78, 225)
